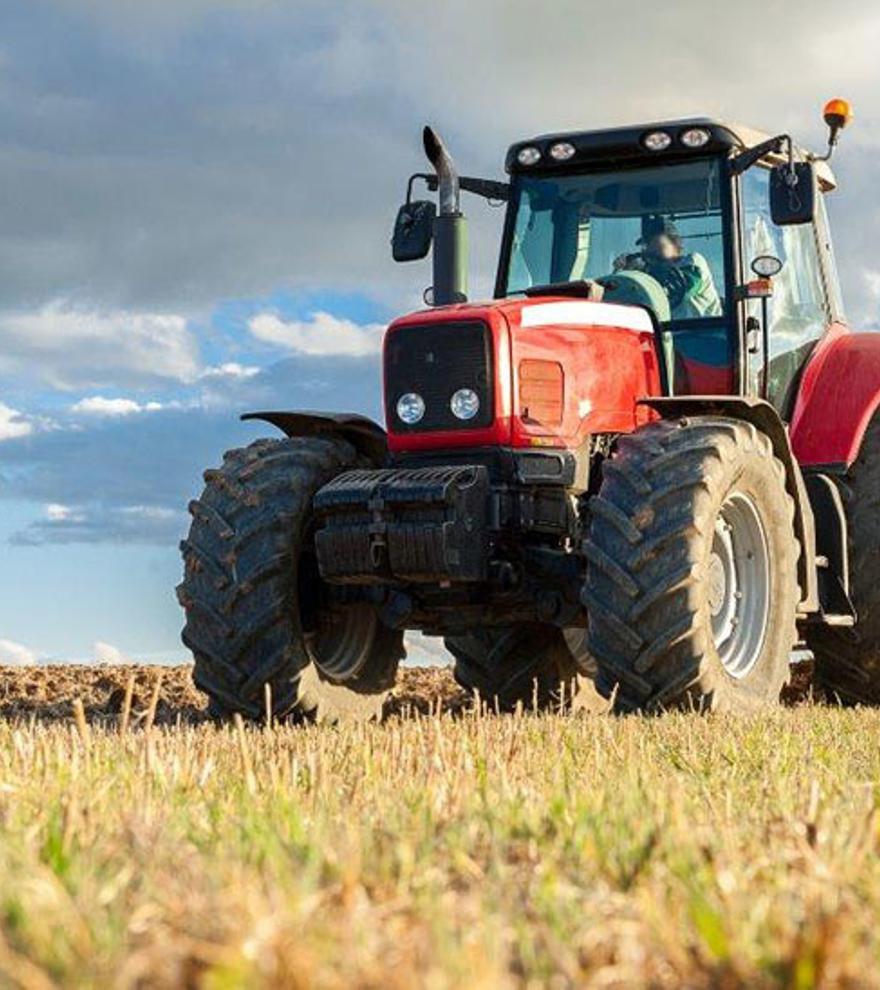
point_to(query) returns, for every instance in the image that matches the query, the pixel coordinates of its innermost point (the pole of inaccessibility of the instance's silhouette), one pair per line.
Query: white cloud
(58, 513)
(90, 522)
(426, 651)
(156, 513)
(106, 653)
(68, 347)
(97, 405)
(321, 335)
(12, 424)
(16, 655)
(231, 369)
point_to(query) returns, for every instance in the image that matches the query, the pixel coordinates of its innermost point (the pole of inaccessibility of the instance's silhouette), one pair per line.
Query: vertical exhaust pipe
(450, 227)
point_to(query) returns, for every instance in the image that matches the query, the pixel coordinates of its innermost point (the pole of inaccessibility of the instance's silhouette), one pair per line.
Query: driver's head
(660, 238)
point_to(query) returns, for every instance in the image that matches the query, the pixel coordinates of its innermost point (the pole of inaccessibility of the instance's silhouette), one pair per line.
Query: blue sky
(195, 207)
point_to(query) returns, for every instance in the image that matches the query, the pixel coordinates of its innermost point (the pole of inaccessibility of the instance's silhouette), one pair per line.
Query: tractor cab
(672, 217)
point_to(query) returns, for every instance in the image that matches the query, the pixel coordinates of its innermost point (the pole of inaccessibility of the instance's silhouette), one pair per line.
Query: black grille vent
(435, 361)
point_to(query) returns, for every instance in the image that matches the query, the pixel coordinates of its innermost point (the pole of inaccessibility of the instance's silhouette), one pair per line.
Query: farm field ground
(442, 848)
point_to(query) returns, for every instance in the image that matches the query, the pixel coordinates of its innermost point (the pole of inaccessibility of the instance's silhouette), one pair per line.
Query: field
(142, 846)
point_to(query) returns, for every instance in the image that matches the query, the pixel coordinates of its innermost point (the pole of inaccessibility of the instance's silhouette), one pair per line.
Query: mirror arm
(431, 181)
(486, 188)
(746, 159)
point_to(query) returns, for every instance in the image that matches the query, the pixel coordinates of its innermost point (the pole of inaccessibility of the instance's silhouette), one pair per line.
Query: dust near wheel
(257, 612)
(848, 660)
(691, 586)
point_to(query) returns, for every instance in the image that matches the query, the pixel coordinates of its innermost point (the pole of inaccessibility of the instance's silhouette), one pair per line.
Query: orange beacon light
(837, 113)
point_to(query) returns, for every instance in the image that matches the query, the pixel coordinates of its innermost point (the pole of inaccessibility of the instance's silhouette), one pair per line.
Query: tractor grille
(435, 361)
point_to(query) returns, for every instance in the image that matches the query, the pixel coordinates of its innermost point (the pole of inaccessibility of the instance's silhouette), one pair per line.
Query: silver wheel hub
(738, 577)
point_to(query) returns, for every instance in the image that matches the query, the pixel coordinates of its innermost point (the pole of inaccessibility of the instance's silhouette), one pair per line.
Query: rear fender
(365, 435)
(767, 420)
(838, 396)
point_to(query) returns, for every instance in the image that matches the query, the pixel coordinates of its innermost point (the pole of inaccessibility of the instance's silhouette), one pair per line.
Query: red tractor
(652, 459)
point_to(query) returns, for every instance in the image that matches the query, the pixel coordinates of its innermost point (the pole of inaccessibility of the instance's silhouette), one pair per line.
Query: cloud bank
(157, 158)
(322, 335)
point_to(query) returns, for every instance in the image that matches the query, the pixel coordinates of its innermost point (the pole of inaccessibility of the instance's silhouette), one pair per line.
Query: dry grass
(442, 851)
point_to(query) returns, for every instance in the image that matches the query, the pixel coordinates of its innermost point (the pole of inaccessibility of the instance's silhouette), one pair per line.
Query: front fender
(365, 435)
(838, 396)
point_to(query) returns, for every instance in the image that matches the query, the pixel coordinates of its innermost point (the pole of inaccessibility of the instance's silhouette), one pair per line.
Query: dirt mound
(48, 693)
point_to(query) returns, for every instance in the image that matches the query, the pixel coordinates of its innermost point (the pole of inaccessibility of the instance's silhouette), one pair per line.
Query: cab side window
(798, 308)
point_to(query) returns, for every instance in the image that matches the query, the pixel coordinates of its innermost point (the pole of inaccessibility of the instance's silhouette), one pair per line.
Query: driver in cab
(686, 278)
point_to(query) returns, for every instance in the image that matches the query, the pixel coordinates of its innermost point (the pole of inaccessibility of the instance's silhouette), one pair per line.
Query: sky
(196, 199)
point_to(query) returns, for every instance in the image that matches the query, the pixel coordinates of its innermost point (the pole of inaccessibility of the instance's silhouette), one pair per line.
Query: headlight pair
(465, 404)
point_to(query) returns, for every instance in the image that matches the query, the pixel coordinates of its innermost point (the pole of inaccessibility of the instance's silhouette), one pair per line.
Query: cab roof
(624, 144)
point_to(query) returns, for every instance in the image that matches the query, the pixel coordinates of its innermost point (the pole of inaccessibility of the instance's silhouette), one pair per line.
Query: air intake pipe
(450, 227)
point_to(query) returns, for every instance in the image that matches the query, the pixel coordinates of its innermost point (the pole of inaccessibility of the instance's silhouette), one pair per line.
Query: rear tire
(691, 585)
(528, 664)
(257, 612)
(848, 660)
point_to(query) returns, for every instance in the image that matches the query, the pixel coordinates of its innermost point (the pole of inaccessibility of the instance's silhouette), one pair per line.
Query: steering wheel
(630, 287)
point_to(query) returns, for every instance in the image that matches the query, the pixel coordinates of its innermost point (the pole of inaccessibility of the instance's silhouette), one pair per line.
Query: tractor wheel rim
(739, 585)
(338, 638)
(341, 644)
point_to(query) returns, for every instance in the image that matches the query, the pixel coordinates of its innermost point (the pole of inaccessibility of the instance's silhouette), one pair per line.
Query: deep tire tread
(652, 519)
(239, 586)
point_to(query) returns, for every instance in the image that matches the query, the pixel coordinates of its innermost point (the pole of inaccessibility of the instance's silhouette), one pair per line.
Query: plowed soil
(48, 693)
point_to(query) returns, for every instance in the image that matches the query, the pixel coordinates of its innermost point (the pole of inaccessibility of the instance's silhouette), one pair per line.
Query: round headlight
(529, 156)
(695, 137)
(465, 403)
(562, 151)
(657, 140)
(410, 408)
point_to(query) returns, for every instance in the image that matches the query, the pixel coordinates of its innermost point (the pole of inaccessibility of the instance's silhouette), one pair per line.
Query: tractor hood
(542, 372)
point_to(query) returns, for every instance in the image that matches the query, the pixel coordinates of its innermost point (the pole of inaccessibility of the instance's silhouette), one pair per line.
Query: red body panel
(839, 393)
(609, 361)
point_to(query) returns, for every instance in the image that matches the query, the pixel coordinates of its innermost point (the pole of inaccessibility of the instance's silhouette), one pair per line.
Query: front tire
(257, 612)
(692, 587)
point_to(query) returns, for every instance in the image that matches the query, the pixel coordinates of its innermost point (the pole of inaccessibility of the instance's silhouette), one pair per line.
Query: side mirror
(793, 194)
(413, 230)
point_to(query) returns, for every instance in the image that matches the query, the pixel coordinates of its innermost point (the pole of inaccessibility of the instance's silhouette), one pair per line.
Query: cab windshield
(650, 236)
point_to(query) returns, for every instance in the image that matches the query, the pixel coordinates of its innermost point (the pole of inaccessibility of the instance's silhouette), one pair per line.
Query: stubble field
(143, 846)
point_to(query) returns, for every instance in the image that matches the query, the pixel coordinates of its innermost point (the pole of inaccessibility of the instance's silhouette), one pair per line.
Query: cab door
(801, 307)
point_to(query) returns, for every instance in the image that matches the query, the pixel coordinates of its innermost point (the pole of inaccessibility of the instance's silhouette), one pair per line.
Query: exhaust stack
(450, 227)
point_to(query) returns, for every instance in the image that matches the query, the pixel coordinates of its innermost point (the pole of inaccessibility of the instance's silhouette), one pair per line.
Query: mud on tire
(661, 589)
(848, 660)
(256, 609)
(531, 664)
